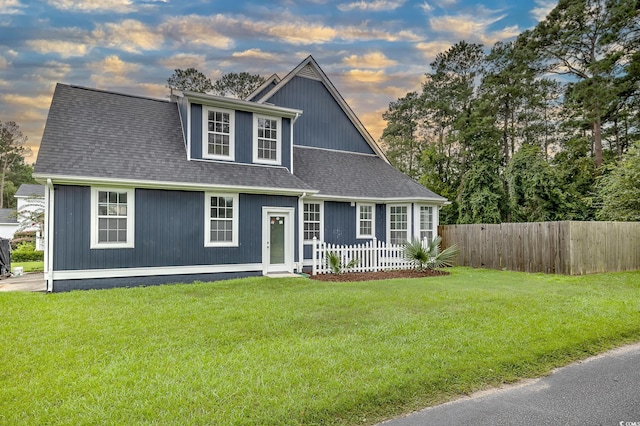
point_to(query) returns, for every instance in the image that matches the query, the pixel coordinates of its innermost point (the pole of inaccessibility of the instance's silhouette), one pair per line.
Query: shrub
(429, 256)
(337, 266)
(21, 237)
(26, 252)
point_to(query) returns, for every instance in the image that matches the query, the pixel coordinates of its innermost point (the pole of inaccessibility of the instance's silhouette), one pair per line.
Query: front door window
(276, 240)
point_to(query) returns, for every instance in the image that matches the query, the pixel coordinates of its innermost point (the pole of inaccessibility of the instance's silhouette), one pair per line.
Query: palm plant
(429, 256)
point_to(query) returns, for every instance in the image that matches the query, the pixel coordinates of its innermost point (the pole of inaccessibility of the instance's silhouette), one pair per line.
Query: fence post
(314, 253)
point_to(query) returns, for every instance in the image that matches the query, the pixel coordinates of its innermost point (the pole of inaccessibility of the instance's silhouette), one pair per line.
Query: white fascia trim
(157, 271)
(151, 184)
(188, 130)
(186, 140)
(335, 150)
(336, 95)
(241, 105)
(273, 79)
(398, 200)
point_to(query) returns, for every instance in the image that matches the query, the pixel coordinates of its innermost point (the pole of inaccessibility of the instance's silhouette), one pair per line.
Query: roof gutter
(239, 104)
(180, 186)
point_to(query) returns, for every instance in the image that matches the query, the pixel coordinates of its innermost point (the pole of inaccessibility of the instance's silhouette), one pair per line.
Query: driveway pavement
(27, 282)
(603, 390)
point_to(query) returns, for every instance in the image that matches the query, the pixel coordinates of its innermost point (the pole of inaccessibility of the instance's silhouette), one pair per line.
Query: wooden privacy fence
(567, 247)
(372, 256)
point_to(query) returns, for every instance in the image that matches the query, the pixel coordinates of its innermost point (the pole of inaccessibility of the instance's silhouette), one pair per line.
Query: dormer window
(267, 136)
(218, 133)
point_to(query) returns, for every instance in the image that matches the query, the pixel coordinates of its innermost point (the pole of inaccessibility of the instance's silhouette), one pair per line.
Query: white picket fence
(372, 256)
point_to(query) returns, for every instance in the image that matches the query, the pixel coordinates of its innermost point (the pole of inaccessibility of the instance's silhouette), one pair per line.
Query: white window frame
(321, 238)
(409, 212)
(207, 220)
(129, 243)
(205, 133)
(359, 235)
(278, 159)
(417, 212)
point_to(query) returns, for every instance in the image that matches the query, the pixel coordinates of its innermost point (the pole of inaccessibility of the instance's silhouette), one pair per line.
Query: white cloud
(367, 76)
(426, 7)
(65, 49)
(255, 54)
(153, 90)
(287, 28)
(473, 27)
(35, 102)
(129, 36)
(431, 48)
(94, 6)
(198, 30)
(109, 81)
(374, 6)
(184, 61)
(11, 7)
(113, 65)
(542, 9)
(369, 60)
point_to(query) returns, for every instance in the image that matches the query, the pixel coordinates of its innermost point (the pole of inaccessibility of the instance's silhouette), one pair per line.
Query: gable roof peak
(309, 68)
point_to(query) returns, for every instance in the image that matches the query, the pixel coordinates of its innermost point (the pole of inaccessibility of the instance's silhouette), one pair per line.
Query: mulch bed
(383, 275)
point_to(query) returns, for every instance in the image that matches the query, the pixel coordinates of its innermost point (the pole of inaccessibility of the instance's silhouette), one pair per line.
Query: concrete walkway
(28, 282)
(602, 390)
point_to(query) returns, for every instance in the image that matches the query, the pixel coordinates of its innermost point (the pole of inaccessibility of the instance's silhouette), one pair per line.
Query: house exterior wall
(323, 123)
(263, 92)
(339, 225)
(169, 231)
(243, 137)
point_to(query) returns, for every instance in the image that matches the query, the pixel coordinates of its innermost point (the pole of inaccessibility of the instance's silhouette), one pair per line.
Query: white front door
(277, 239)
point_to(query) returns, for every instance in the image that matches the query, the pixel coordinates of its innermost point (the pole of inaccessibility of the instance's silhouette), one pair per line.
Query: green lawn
(296, 351)
(36, 266)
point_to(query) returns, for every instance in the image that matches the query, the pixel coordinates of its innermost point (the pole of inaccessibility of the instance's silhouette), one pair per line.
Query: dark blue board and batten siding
(323, 123)
(169, 231)
(340, 225)
(243, 136)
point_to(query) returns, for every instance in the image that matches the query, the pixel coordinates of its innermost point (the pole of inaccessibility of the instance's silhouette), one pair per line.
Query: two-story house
(144, 191)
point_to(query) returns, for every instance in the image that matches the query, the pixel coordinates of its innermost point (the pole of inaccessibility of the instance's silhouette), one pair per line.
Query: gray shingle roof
(30, 190)
(344, 174)
(98, 134)
(8, 216)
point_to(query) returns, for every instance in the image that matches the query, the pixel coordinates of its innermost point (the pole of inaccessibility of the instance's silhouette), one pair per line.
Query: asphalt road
(603, 390)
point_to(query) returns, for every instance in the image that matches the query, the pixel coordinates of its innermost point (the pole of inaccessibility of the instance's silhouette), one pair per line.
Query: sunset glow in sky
(373, 51)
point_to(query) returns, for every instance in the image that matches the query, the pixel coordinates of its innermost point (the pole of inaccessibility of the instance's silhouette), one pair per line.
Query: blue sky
(373, 51)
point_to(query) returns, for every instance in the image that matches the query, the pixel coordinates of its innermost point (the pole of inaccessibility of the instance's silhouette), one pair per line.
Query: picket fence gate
(373, 256)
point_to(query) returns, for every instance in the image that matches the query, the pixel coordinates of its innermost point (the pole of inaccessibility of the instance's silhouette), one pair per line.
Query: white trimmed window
(218, 130)
(267, 139)
(398, 223)
(366, 220)
(425, 222)
(221, 220)
(112, 218)
(312, 221)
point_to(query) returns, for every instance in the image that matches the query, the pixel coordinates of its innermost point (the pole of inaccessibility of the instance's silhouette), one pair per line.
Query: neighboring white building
(8, 223)
(30, 198)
